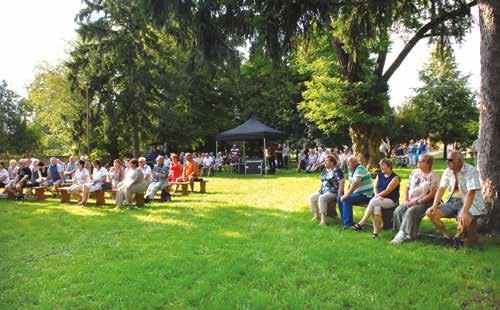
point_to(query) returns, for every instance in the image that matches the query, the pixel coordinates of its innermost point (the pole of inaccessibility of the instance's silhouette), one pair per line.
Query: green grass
(247, 243)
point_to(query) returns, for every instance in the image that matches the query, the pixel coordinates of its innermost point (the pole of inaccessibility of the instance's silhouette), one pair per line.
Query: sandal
(357, 227)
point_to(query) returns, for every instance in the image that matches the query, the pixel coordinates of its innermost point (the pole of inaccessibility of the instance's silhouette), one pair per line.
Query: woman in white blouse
(99, 175)
(80, 177)
(133, 183)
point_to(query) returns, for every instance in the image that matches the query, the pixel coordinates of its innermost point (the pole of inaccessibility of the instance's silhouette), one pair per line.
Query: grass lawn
(247, 243)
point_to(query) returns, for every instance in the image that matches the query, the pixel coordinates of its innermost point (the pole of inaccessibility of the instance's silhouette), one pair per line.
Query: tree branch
(421, 33)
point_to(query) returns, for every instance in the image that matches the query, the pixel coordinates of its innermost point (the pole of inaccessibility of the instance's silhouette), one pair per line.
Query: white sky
(33, 31)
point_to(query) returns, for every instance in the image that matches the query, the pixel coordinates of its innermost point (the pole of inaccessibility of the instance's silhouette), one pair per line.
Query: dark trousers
(345, 207)
(286, 160)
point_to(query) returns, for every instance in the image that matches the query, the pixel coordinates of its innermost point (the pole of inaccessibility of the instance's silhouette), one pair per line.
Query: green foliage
(445, 103)
(408, 124)
(56, 110)
(17, 134)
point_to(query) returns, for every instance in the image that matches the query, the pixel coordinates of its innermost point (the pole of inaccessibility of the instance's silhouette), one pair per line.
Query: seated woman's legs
(314, 206)
(324, 199)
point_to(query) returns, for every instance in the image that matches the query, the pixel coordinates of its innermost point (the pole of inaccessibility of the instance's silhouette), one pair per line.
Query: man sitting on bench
(465, 200)
(55, 175)
(160, 173)
(22, 180)
(189, 171)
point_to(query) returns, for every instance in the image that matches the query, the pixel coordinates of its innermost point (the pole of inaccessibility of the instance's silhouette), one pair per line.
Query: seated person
(70, 168)
(189, 171)
(311, 160)
(133, 183)
(332, 186)
(4, 175)
(55, 175)
(40, 175)
(198, 159)
(207, 165)
(419, 194)
(464, 201)
(80, 177)
(302, 162)
(360, 190)
(99, 175)
(386, 196)
(146, 170)
(13, 169)
(116, 173)
(159, 181)
(22, 180)
(320, 161)
(219, 162)
(175, 168)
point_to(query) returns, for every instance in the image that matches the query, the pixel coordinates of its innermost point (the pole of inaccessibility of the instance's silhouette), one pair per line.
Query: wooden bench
(184, 186)
(40, 193)
(203, 185)
(99, 196)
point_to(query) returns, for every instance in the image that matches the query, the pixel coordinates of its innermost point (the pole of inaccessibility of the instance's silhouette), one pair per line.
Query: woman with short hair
(386, 196)
(99, 174)
(133, 183)
(80, 177)
(116, 173)
(332, 186)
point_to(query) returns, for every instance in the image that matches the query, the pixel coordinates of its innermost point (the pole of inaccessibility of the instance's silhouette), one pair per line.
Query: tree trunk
(489, 130)
(365, 145)
(445, 149)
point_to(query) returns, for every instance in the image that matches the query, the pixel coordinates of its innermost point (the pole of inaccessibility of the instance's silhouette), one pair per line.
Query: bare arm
(390, 188)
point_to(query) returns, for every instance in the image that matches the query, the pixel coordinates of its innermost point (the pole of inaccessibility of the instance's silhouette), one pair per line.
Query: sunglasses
(450, 160)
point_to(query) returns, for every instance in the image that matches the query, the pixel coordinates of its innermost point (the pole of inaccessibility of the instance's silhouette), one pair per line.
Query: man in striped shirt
(360, 190)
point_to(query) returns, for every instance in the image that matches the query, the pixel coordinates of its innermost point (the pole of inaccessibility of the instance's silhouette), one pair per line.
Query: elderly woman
(332, 186)
(116, 173)
(419, 196)
(386, 196)
(80, 177)
(99, 175)
(133, 183)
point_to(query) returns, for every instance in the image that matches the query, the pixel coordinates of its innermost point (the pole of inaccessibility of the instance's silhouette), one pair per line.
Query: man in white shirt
(207, 164)
(465, 200)
(146, 170)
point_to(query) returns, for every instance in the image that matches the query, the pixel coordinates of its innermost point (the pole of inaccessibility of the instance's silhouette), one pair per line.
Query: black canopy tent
(250, 130)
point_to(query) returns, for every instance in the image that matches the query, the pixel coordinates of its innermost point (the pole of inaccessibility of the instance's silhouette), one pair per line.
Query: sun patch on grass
(232, 234)
(159, 220)
(81, 211)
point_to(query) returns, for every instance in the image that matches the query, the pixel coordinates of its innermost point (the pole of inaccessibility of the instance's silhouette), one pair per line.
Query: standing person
(279, 156)
(412, 154)
(271, 157)
(133, 183)
(423, 147)
(360, 190)
(286, 156)
(235, 154)
(332, 186)
(419, 194)
(386, 196)
(464, 200)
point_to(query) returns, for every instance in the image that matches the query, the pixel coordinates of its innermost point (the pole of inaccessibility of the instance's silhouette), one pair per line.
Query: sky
(34, 31)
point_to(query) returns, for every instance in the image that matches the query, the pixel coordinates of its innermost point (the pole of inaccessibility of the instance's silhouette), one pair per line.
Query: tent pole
(216, 147)
(265, 161)
(243, 149)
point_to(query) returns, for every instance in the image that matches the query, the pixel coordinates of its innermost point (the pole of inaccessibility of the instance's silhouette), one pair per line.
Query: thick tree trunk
(365, 144)
(489, 152)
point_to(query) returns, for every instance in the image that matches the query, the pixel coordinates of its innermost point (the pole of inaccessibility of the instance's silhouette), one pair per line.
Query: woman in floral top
(332, 185)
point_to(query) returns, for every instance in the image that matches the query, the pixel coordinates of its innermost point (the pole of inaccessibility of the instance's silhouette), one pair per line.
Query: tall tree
(358, 32)
(445, 102)
(489, 152)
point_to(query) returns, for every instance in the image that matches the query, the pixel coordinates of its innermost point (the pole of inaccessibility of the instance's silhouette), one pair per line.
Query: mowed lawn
(247, 243)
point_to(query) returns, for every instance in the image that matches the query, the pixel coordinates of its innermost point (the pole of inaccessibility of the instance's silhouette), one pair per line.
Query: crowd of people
(126, 177)
(311, 160)
(422, 197)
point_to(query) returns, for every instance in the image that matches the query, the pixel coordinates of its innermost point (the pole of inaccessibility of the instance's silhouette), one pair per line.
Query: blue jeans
(345, 207)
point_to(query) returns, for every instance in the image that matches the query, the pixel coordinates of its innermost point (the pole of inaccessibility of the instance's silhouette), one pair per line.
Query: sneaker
(147, 200)
(399, 238)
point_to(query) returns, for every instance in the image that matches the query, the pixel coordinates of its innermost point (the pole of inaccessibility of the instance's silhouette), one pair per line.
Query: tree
(489, 152)
(56, 110)
(445, 103)
(357, 32)
(16, 133)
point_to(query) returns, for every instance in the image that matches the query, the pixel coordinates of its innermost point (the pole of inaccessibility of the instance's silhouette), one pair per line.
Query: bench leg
(202, 186)
(184, 189)
(40, 194)
(99, 197)
(387, 218)
(139, 199)
(65, 196)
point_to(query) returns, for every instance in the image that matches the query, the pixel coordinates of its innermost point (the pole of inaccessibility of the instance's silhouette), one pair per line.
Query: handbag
(106, 186)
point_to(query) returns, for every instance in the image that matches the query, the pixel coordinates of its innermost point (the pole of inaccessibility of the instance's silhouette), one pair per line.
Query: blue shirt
(330, 180)
(162, 170)
(383, 182)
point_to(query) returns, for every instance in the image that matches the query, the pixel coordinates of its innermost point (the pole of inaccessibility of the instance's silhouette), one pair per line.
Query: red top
(174, 171)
